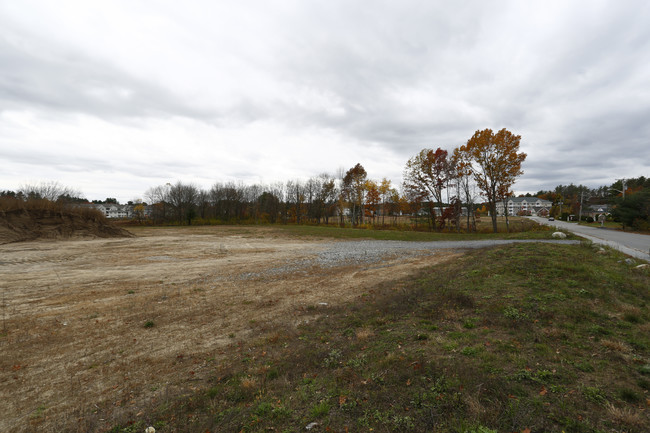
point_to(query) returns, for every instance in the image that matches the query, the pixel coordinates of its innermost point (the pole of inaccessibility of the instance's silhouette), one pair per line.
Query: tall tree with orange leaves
(496, 164)
(373, 197)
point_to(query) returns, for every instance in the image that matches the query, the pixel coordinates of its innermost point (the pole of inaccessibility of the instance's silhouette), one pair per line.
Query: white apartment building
(525, 205)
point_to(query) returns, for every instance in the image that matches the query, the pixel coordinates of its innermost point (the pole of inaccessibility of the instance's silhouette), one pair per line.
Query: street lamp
(618, 190)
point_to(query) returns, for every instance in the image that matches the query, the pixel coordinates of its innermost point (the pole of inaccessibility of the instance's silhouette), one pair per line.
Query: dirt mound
(26, 225)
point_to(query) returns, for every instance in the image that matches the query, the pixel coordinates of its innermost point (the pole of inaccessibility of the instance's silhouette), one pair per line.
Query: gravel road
(341, 253)
(369, 252)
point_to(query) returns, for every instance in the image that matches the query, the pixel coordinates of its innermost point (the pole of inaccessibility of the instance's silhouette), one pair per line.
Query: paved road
(633, 244)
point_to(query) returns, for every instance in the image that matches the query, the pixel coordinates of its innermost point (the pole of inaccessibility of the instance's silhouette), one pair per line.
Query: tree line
(440, 190)
(439, 187)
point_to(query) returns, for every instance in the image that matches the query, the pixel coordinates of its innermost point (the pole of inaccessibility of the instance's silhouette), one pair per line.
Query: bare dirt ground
(75, 354)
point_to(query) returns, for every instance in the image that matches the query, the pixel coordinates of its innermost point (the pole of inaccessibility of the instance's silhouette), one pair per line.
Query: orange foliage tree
(373, 197)
(496, 164)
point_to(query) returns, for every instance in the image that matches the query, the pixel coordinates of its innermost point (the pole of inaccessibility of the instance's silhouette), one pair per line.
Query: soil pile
(25, 225)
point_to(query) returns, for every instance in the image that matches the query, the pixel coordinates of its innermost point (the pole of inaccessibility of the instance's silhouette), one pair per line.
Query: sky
(114, 97)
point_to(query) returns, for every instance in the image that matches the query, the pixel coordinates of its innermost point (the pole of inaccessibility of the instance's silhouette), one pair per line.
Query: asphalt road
(633, 244)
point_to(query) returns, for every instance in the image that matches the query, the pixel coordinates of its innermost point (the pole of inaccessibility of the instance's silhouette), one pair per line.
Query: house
(595, 210)
(525, 206)
(112, 210)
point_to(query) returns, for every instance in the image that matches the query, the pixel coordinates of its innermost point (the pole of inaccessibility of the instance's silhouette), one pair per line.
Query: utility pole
(580, 211)
(582, 193)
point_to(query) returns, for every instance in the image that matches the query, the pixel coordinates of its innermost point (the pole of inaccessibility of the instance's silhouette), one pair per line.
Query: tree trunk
(505, 207)
(493, 213)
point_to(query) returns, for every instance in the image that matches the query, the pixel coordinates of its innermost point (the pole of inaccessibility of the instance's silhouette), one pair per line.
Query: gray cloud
(571, 78)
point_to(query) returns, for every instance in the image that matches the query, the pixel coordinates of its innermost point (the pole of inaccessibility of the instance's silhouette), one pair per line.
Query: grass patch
(533, 231)
(499, 340)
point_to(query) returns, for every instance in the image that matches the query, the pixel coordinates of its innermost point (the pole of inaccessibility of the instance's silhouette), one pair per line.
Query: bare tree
(183, 198)
(51, 191)
(462, 162)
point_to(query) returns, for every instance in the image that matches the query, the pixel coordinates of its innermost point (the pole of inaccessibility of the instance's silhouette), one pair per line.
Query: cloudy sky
(114, 97)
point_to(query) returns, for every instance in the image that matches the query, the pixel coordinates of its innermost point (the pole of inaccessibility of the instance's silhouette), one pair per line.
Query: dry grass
(76, 345)
(616, 346)
(625, 415)
(364, 333)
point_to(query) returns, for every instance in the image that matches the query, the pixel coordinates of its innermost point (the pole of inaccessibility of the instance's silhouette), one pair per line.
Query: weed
(281, 412)
(358, 362)
(149, 324)
(320, 410)
(333, 359)
(599, 330)
(402, 423)
(471, 350)
(594, 394)
(644, 384)
(263, 409)
(585, 366)
(514, 314)
(38, 412)
(629, 396)
(131, 427)
(213, 392)
(479, 429)
(632, 318)
(469, 324)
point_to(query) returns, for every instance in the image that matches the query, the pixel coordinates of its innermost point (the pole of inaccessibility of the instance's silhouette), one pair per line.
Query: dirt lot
(75, 350)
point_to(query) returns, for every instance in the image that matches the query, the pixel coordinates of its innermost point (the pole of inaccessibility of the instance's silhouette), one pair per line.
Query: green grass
(539, 232)
(551, 338)
(608, 224)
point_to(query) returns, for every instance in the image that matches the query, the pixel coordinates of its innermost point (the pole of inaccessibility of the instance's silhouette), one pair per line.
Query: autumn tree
(461, 160)
(373, 197)
(385, 191)
(139, 211)
(496, 164)
(354, 189)
(427, 174)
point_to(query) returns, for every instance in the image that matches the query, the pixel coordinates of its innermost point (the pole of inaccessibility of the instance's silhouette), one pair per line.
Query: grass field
(521, 338)
(521, 229)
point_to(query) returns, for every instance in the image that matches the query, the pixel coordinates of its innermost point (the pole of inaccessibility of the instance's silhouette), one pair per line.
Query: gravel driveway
(368, 252)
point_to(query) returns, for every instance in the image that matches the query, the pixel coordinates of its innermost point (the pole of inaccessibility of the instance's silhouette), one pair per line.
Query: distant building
(595, 210)
(532, 206)
(112, 210)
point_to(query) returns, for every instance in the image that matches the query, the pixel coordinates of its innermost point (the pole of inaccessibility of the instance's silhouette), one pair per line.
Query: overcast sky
(114, 97)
